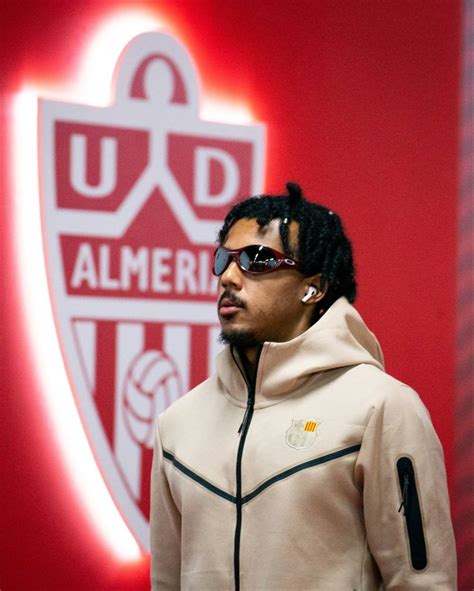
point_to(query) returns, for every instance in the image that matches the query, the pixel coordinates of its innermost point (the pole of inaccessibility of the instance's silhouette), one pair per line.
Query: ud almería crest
(133, 195)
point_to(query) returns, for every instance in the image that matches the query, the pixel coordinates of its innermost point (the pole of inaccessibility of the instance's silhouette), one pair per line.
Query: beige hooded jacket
(335, 482)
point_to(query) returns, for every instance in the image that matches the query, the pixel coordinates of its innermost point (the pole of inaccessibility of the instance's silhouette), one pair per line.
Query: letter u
(108, 167)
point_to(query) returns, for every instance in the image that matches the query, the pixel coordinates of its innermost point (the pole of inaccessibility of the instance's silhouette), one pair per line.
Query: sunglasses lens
(253, 259)
(221, 260)
(258, 259)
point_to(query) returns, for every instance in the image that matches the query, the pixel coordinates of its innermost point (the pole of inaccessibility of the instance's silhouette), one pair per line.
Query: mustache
(232, 298)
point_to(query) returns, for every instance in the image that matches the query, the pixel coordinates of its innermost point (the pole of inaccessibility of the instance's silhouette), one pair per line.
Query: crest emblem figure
(133, 195)
(302, 433)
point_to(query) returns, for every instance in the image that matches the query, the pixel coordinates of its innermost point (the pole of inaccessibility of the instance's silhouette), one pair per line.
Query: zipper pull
(404, 503)
(244, 420)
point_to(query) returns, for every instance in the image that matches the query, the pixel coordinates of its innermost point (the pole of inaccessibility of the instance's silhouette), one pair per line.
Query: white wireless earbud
(310, 292)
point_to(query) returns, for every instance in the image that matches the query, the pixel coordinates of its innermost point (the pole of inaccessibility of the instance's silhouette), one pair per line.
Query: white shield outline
(139, 115)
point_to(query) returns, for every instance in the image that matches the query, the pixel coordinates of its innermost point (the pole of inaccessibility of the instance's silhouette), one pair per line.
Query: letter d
(202, 194)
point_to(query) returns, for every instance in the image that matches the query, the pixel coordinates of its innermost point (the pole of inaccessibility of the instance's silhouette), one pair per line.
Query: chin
(239, 338)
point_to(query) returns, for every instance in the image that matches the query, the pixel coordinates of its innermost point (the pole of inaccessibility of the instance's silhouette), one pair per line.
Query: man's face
(254, 308)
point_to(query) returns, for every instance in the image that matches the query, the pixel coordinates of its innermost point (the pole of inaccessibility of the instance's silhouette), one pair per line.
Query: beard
(241, 339)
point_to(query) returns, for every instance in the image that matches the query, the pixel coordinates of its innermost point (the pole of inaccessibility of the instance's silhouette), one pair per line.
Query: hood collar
(339, 339)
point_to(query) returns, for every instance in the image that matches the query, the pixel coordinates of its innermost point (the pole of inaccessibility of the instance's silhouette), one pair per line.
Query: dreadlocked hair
(323, 246)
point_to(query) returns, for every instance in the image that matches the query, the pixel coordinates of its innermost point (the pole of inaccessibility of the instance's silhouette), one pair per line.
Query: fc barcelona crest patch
(302, 433)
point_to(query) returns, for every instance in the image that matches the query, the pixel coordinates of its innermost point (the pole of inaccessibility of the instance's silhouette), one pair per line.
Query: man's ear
(315, 289)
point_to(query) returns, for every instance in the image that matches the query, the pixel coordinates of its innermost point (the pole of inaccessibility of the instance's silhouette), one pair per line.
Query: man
(301, 465)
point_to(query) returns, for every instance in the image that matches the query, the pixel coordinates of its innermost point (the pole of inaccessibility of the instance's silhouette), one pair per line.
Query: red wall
(361, 103)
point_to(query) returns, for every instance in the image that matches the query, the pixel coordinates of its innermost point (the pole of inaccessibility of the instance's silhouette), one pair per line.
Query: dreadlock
(323, 247)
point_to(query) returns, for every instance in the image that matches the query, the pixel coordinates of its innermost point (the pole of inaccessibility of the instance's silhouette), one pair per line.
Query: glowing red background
(361, 102)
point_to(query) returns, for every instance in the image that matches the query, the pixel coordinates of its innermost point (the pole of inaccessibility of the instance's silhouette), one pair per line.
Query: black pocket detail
(411, 510)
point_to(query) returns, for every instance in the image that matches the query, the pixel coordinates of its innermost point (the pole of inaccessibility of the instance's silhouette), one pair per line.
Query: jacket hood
(339, 339)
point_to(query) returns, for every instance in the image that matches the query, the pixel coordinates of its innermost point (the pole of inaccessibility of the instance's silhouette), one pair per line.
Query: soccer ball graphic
(151, 384)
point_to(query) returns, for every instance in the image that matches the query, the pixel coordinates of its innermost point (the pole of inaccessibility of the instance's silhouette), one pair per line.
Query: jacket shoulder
(192, 404)
(384, 392)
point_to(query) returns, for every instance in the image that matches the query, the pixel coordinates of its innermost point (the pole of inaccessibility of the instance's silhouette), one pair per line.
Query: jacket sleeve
(406, 506)
(165, 528)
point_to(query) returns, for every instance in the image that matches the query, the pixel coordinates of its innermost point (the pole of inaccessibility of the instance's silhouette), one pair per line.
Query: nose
(231, 277)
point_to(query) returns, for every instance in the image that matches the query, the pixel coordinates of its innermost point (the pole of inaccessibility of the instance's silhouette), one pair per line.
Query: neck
(248, 356)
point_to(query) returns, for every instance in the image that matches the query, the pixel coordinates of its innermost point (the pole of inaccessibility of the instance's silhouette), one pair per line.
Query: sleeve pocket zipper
(411, 510)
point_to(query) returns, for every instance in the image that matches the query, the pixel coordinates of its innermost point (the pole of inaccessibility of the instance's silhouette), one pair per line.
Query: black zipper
(243, 430)
(246, 414)
(412, 512)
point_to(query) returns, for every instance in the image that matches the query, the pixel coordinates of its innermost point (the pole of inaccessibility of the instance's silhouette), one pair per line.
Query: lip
(228, 306)
(229, 310)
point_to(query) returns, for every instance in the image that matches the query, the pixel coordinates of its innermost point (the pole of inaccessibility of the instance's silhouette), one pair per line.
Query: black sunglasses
(254, 258)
